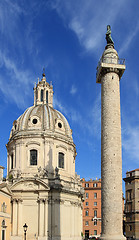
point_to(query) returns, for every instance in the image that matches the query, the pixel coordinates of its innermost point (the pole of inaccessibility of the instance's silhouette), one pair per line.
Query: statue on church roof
(108, 35)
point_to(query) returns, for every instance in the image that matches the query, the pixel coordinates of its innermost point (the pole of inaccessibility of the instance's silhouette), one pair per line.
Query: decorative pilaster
(20, 213)
(15, 217)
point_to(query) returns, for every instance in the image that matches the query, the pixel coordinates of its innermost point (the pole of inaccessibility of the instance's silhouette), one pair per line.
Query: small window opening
(86, 223)
(95, 222)
(61, 160)
(59, 125)
(47, 96)
(41, 95)
(33, 157)
(87, 213)
(86, 184)
(87, 195)
(34, 121)
(95, 213)
(95, 195)
(12, 161)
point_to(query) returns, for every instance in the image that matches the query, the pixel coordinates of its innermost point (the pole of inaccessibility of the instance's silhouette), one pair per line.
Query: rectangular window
(33, 157)
(87, 195)
(86, 223)
(12, 161)
(41, 95)
(86, 184)
(95, 232)
(87, 213)
(86, 204)
(95, 203)
(61, 160)
(95, 213)
(95, 195)
(95, 185)
(95, 222)
(47, 96)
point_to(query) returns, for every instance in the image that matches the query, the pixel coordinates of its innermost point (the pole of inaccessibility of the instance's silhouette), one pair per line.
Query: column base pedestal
(112, 237)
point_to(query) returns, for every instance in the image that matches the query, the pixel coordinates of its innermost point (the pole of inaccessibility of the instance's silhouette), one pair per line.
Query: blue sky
(67, 37)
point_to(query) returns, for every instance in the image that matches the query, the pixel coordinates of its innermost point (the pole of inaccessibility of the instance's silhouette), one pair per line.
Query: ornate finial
(108, 36)
(43, 72)
(38, 79)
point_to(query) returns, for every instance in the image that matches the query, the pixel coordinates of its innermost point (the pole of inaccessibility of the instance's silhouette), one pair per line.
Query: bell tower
(109, 72)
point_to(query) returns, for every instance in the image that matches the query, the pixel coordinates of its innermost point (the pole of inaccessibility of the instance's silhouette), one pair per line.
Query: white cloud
(73, 90)
(95, 117)
(89, 20)
(90, 123)
(129, 39)
(58, 104)
(130, 142)
(16, 88)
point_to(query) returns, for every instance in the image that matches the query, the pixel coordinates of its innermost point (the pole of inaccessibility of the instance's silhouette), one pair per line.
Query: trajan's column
(109, 72)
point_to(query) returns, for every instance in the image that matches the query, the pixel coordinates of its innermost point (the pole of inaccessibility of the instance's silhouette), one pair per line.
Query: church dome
(42, 117)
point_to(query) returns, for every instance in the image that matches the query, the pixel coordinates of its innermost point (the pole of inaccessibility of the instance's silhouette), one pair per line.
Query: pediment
(30, 185)
(5, 189)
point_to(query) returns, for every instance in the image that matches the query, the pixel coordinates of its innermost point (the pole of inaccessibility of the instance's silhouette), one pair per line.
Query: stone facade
(109, 73)
(132, 204)
(46, 191)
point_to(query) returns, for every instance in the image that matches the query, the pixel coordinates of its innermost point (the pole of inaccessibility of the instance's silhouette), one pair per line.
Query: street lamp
(25, 229)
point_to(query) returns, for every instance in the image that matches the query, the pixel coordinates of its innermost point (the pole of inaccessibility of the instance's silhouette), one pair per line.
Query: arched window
(61, 160)
(41, 95)
(47, 96)
(12, 161)
(33, 157)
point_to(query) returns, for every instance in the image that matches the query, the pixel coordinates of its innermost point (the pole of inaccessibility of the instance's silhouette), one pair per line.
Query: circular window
(59, 125)
(34, 121)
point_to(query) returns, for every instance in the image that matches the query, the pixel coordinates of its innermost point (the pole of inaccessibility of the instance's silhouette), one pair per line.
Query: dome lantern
(43, 92)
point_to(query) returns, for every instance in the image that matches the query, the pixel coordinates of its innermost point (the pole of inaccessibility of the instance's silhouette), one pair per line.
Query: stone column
(109, 73)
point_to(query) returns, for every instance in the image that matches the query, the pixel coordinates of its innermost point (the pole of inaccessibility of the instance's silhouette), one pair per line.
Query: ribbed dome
(41, 118)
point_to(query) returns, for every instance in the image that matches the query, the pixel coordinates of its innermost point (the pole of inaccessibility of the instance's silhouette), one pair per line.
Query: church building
(46, 192)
